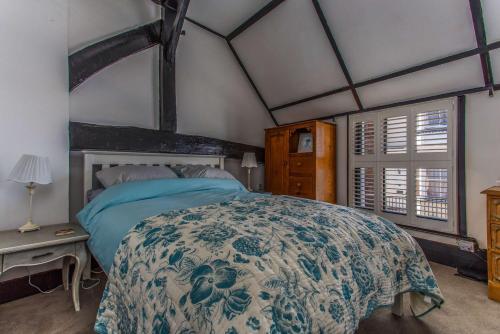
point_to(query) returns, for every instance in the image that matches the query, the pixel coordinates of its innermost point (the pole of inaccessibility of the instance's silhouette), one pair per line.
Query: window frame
(411, 160)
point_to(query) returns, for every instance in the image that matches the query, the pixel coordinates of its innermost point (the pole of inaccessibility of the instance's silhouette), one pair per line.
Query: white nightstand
(43, 246)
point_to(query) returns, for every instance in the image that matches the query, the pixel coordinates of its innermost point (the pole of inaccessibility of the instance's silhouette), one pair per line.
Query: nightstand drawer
(37, 256)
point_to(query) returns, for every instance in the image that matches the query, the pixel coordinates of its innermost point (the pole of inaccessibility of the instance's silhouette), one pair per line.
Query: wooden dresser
(291, 171)
(493, 217)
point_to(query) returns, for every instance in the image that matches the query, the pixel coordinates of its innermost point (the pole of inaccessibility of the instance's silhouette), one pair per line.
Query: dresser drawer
(494, 269)
(301, 187)
(302, 165)
(495, 237)
(494, 205)
(36, 256)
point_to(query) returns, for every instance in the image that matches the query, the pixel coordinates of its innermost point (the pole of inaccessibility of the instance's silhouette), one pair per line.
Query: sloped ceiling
(289, 57)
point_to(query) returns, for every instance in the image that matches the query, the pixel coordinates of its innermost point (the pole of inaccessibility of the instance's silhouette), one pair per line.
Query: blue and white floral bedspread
(269, 265)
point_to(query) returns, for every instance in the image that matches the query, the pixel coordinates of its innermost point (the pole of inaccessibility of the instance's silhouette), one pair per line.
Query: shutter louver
(364, 138)
(394, 134)
(432, 193)
(364, 188)
(431, 131)
(394, 190)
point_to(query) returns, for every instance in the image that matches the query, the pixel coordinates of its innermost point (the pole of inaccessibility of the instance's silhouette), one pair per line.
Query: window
(402, 164)
(394, 190)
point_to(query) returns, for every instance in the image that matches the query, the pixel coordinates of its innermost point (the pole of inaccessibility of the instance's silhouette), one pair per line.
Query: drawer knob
(299, 163)
(299, 184)
(42, 255)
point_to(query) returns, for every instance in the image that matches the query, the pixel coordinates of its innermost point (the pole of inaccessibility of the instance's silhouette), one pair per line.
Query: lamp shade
(31, 168)
(249, 160)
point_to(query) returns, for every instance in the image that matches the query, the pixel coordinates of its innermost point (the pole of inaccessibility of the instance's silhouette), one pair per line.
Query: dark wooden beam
(437, 62)
(480, 32)
(204, 27)
(310, 98)
(336, 50)
(177, 29)
(412, 69)
(93, 58)
(254, 18)
(461, 175)
(235, 54)
(403, 103)
(172, 19)
(418, 100)
(83, 136)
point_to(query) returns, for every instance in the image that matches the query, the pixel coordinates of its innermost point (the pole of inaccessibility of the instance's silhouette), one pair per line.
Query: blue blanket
(263, 264)
(114, 212)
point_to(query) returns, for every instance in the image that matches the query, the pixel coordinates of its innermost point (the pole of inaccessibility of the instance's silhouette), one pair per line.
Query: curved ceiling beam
(90, 60)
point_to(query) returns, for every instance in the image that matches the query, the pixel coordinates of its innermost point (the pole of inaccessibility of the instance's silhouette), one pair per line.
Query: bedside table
(43, 246)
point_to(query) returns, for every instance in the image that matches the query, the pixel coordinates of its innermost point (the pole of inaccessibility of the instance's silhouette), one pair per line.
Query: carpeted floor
(466, 310)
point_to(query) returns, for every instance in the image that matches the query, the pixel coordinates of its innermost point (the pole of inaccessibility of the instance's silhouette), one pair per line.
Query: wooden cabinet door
(277, 161)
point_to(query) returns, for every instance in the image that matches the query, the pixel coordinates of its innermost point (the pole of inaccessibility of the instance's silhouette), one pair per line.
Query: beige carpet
(466, 310)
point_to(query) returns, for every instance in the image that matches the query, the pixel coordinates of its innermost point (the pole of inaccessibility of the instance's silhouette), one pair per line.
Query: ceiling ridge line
(336, 50)
(252, 83)
(254, 18)
(199, 25)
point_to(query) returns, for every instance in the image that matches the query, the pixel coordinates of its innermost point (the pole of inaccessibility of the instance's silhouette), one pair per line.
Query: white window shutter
(402, 164)
(364, 187)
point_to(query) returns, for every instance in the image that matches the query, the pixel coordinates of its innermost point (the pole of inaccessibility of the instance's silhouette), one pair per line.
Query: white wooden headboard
(94, 161)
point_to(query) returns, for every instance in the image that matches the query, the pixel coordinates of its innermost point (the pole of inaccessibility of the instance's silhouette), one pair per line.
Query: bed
(207, 256)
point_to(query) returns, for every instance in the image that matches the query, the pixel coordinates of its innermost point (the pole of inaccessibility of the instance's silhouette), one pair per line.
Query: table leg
(81, 261)
(65, 272)
(398, 306)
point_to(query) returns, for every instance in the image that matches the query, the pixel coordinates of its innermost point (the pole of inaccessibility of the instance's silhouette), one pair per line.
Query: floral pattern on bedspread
(268, 265)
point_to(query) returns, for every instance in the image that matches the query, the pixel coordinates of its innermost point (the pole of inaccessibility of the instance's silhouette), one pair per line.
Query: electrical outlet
(467, 245)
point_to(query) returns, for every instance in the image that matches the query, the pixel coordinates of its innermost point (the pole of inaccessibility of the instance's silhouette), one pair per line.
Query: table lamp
(32, 170)
(249, 161)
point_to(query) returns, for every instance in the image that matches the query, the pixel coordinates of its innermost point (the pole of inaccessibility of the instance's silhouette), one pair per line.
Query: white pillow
(121, 174)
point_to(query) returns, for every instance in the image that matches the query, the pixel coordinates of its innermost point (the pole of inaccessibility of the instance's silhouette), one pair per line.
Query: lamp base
(249, 182)
(28, 227)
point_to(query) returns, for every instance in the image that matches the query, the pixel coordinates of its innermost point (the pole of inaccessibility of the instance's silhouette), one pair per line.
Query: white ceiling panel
(326, 106)
(93, 20)
(495, 65)
(288, 54)
(380, 37)
(458, 75)
(491, 11)
(223, 16)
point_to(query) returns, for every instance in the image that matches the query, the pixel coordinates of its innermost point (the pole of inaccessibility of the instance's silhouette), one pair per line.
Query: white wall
(483, 158)
(34, 105)
(124, 93)
(214, 98)
(33, 109)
